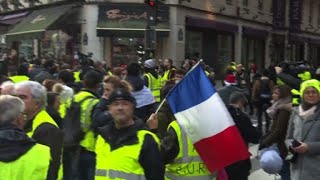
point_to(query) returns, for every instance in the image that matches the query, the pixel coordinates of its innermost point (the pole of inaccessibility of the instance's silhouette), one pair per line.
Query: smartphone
(295, 143)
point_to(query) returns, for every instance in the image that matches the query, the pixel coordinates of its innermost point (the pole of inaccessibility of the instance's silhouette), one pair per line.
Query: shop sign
(130, 16)
(12, 5)
(295, 15)
(38, 19)
(279, 14)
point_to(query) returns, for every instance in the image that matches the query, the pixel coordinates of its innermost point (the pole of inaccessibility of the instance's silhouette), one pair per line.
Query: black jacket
(51, 136)
(100, 114)
(249, 135)
(170, 146)
(117, 138)
(290, 80)
(136, 82)
(14, 143)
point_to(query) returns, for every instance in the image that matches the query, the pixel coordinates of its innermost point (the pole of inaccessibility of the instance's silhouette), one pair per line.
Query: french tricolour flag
(203, 116)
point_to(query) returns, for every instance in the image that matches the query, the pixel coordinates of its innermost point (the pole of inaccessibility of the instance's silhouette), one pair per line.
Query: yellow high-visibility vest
(121, 163)
(34, 164)
(188, 164)
(154, 85)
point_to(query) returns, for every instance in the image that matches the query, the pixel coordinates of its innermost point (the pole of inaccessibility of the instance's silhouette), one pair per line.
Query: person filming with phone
(303, 137)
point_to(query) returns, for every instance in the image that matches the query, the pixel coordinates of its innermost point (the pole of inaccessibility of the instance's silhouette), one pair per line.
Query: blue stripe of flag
(192, 90)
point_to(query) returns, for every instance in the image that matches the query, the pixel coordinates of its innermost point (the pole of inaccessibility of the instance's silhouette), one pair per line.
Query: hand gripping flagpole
(162, 102)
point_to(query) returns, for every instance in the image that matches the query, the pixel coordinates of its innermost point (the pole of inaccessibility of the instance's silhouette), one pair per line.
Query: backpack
(265, 91)
(72, 130)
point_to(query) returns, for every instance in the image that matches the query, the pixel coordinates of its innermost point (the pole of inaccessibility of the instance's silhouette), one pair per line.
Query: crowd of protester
(120, 132)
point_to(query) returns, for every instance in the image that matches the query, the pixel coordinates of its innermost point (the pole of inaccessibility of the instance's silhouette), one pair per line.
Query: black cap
(121, 94)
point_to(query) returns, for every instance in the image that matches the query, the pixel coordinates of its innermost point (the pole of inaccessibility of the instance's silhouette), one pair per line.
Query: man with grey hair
(39, 125)
(20, 156)
(7, 87)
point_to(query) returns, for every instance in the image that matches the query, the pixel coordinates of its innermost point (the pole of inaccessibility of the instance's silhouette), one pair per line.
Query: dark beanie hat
(238, 96)
(121, 94)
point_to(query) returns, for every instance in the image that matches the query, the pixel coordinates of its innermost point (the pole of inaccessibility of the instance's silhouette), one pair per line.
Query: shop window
(310, 19)
(224, 54)
(25, 49)
(314, 54)
(54, 44)
(193, 44)
(229, 2)
(319, 14)
(253, 51)
(260, 5)
(245, 3)
(127, 50)
(296, 51)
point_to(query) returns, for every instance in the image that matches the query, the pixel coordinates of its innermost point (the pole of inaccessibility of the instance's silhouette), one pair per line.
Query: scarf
(305, 114)
(272, 110)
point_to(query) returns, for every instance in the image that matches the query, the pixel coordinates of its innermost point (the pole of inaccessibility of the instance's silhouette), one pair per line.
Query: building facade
(263, 32)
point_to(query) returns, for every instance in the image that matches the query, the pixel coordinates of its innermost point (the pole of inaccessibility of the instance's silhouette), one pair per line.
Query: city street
(256, 172)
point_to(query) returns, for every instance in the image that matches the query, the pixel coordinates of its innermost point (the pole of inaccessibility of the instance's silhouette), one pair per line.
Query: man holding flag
(203, 127)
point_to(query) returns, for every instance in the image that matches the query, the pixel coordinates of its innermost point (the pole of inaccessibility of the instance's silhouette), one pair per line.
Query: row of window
(308, 7)
(245, 3)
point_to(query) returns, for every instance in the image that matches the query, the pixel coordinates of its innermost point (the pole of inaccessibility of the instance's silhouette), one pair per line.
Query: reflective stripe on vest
(188, 164)
(113, 174)
(121, 163)
(154, 85)
(34, 164)
(174, 177)
(89, 139)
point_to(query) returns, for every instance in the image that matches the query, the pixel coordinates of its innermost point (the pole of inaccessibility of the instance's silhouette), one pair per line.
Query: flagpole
(162, 102)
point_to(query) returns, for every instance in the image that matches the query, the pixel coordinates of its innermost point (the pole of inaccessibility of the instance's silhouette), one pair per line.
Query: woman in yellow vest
(124, 148)
(21, 158)
(169, 71)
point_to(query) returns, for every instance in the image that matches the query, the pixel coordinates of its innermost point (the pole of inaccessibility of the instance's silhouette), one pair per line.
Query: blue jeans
(87, 165)
(285, 171)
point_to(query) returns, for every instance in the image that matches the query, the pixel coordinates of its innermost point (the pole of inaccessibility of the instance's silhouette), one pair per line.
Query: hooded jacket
(14, 143)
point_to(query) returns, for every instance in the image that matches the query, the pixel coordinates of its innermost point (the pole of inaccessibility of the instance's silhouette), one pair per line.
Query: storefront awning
(125, 20)
(36, 23)
(297, 39)
(13, 18)
(210, 24)
(257, 33)
(8, 21)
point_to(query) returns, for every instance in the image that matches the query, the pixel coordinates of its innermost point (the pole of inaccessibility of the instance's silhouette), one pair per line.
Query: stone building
(217, 31)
